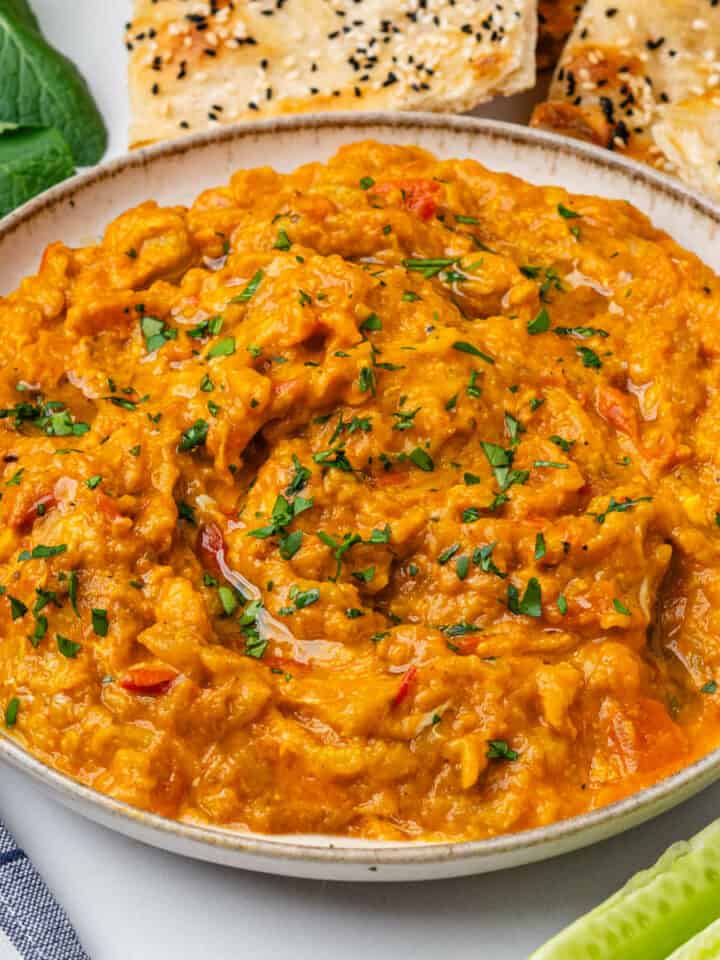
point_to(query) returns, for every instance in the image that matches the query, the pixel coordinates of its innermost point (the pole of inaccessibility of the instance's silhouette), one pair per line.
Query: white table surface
(131, 902)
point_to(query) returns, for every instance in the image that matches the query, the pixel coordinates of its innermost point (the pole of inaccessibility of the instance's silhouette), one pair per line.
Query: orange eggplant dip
(375, 499)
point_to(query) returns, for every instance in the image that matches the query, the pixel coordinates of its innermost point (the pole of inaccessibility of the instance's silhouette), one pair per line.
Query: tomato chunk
(211, 547)
(421, 197)
(39, 508)
(148, 681)
(618, 409)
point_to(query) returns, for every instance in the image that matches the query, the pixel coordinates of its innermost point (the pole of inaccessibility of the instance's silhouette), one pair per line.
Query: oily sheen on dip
(377, 499)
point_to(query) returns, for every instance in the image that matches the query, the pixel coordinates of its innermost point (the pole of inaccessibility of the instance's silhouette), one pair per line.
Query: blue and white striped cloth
(32, 925)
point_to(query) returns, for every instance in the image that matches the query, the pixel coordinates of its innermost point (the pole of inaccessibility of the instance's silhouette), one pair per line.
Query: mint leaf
(42, 88)
(31, 160)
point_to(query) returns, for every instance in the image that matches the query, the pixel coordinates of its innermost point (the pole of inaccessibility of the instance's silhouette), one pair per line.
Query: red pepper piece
(148, 681)
(405, 685)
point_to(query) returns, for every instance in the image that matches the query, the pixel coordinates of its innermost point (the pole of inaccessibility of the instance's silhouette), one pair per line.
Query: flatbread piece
(196, 64)
(642, 77)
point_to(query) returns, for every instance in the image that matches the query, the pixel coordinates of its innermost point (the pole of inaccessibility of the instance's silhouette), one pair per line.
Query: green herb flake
(68, 648)
(422, 460)
(100, 623)
(499, 750)
(540, 548)
(194, 436)
(305, 598)
(223, 348)
(290, 544)
(464, 347)
(541, 323)
(531, 603)
(621, 608)
(250, 289)
(448, 554)
(589, 358)
(282, 242)
(566, 213)
(11, 711)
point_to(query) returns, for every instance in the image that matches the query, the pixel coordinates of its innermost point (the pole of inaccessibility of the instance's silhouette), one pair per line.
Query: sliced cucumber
(655, 912)
(705, 946)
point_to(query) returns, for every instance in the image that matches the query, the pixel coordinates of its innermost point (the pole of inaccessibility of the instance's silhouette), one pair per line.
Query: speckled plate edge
(337, 858)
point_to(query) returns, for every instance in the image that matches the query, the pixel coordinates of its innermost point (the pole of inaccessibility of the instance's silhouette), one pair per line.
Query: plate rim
(576, 831)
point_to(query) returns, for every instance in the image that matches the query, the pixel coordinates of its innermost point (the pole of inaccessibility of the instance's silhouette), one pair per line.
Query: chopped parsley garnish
(334, 457)
(206, 328)
(500, 461)
(471, 515)
(551, 464)
(482, 557)
(52, 418)
(562, 604)
(17, 608)
(499, 750)
(430, 267)
(405, 419)
(366, 381)
(282, 242)
(283, 513)
(583, 332)
(372, 322)
(589, 358)
(540, 548)
(472, 389)
(470, 479)
(541, 323)
(228, 600)
(364, 576)
(68, 648)
(514, 428)
(223, 348)
(73, 590)
(42, 552)
(194, 436)
(619, 507)
(567, 213)
(300, 477)
(186, 512)
(422, 460)
(621, 608)
(710, 687)
(250, 289)
(531, 602)
(448, 554)
(462, 566)
(156, 332)
(16, 478)
(304, 598)
(410, 296)
(565, 445)
(100, 623)
(366, 183)
(93, 482)
(11, 711)
(290, 544)
(464, 347)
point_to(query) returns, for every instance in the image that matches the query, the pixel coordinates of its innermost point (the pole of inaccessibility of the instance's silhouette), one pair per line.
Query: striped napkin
(32, 925)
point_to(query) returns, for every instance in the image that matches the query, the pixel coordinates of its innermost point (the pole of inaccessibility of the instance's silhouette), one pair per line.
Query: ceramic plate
(79, 209)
